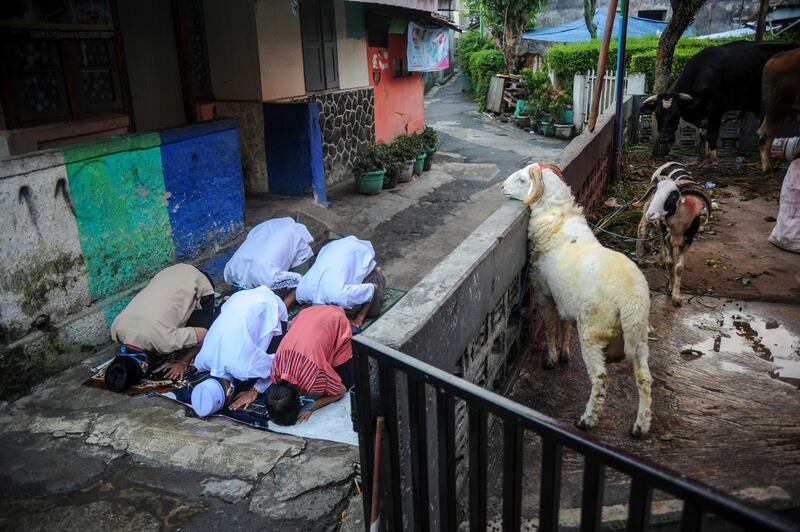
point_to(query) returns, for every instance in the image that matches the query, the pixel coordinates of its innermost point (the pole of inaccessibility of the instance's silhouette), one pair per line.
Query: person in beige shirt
(172, 313)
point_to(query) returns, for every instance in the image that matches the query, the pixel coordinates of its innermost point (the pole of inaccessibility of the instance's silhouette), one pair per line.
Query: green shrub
(470, 43)
(538, 87)
(368, 159)
(646, 62)
(407, 147)
(391, 157)
(429, 137)
(484, 64)
(566, 60)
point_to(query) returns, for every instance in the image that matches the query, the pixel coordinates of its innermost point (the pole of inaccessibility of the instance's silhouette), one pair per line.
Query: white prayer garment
(337, 276)
(236, 344)
(271, 249)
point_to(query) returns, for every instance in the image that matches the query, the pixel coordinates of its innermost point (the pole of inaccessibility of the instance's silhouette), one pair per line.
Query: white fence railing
(584, 85)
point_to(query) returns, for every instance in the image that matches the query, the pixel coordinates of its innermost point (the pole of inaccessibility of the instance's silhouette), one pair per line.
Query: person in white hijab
(269, 252)
(235, 349)
(345, 274)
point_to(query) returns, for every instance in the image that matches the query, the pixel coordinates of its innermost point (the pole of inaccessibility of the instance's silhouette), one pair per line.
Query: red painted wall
(399, 106)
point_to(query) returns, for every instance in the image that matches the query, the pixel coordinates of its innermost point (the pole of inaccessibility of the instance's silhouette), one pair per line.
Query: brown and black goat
(677, 203)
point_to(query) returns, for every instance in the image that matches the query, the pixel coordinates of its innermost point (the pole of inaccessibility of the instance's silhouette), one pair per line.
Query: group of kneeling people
(312, 362)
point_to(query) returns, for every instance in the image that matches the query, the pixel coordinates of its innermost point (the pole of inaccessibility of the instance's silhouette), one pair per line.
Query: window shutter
(331, 60)
(313, 63)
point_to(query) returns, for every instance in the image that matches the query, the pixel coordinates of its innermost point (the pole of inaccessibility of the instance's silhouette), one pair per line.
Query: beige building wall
(352, 52)
(280, 50)
(151, 55)
(233, 50)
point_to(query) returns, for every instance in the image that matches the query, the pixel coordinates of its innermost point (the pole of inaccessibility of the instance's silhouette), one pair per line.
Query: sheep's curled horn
(535, 174)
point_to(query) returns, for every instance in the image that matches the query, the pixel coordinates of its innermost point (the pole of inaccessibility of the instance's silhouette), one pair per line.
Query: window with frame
(318, 29)
(56, 79)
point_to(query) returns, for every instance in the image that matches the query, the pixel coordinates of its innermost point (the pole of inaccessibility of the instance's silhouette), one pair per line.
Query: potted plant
(369, 169)
(404, 149)
(548, 128)
(394, 165)
(558, 105)
(419, 146)
(430, 141)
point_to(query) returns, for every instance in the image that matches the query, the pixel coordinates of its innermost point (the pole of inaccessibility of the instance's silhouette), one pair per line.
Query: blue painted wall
(203, 173)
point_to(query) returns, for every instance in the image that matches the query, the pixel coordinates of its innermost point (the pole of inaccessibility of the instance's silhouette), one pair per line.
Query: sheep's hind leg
(550, 323)
(596, 367)
(677, 270)
(566, 334)
(644, 381)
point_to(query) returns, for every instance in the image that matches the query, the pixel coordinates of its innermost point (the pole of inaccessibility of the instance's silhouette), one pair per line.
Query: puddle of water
(739, 332)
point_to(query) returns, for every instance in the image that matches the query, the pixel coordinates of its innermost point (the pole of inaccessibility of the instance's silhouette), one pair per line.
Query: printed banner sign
(428, 49)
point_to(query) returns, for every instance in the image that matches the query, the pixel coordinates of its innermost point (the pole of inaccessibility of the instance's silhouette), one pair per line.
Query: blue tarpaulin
(576, 31)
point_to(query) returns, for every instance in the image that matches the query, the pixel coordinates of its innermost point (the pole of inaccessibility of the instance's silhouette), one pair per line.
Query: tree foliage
(507, 20)
(683, 13)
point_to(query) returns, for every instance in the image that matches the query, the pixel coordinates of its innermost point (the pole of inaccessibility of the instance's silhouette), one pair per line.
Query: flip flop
(355, 330)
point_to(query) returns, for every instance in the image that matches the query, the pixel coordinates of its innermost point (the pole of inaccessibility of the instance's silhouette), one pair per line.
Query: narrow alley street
(416, 224)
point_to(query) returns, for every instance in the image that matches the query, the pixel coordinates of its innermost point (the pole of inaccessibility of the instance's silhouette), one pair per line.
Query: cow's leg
(712, 134)
(566, 334)
(641, 231)
(766, 134)
(677, 269)
(550, 314)
(593, 357)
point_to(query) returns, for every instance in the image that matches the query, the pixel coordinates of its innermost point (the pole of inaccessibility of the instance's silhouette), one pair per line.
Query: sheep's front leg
(550, 323)
(667, 259)
(594, 359)
(677, 270)
(640, 233)
(566, 334)
(644, 381)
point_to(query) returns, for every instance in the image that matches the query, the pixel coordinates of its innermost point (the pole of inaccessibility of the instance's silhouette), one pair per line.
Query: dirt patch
(731, 256)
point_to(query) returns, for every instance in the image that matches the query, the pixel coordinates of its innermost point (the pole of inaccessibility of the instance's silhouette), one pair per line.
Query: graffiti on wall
(110, 214)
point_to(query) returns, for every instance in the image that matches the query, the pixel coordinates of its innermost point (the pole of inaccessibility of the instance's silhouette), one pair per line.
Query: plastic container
(548, 129)
(390, 181)
(419, 164)
(428, 160)
(370, 182)
(785, 148)
(407, 173)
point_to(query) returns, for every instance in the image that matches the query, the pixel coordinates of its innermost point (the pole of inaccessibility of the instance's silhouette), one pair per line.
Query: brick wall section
(347, 121)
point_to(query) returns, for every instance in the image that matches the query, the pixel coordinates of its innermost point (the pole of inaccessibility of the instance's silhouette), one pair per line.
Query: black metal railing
(698, 499)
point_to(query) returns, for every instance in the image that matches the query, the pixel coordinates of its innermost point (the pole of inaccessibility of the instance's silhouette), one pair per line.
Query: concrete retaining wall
(465, 316)
(85, 225)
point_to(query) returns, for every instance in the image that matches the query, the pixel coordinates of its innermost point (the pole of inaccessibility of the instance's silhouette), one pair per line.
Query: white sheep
(576, 278)
(676, 202)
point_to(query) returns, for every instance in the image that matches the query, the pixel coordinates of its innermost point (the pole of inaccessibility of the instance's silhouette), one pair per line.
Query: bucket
(787, 149)
(406, 174)
(370, 182)
(390, 180)
(419, 163)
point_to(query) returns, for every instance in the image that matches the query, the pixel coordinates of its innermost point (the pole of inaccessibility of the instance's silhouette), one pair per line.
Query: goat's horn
(644, 199)
(556, 170)
(659, 172)
(535, 174)
(651, 99)
(684, 96)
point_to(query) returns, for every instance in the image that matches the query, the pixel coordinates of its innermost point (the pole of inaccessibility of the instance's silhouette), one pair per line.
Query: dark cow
(780, 98)
(716, 80)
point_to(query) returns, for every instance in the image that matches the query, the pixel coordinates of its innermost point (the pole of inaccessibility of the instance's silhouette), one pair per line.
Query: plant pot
(568, 116)
(564, 131)
(390, 180)
(407, 173)
(548, 130)
(419, 163)
(524, 122)
(370, 182)
(428, 160)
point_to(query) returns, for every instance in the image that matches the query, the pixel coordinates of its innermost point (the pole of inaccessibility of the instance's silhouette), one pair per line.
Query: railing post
(417, 421)
(477, 467)
(366, 429)
(592, 500)
(550, 489)
(445, 425)
(639, 507)
(389, 411)
(512, 475)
